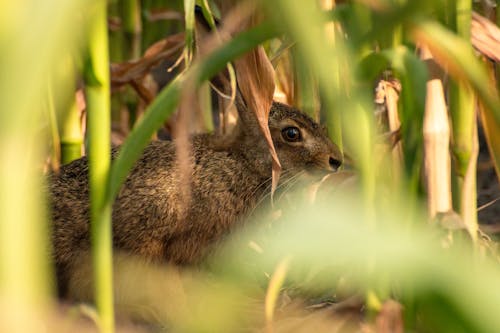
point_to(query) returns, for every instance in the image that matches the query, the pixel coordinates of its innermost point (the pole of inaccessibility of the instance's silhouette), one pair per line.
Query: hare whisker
(268, 183)
(283, 185)
(289, 183)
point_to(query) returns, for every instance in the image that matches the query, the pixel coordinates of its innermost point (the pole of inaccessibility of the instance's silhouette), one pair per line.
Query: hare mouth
(316, 169)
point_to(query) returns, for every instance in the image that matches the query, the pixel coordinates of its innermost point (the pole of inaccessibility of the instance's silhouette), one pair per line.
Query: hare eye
(291, 134)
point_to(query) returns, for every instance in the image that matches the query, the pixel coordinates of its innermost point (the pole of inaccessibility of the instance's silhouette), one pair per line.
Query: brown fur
(150, 217)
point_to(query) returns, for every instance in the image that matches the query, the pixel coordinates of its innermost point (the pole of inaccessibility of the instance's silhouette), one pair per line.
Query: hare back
(153, 216)
(156, 215)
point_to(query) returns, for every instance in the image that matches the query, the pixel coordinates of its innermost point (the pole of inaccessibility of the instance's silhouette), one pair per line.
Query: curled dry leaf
(165, 49)
(144, 93)
(485, 37)
(255, 76)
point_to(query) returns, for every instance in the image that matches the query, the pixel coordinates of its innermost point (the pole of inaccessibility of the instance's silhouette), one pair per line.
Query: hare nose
(334, 163)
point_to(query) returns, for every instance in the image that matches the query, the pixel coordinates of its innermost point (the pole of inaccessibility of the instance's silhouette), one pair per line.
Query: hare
(229, 175)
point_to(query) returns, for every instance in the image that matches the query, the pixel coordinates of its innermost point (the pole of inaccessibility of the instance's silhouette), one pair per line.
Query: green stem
(206, 106)
(54, 132)
(69, 119)
(71, 135)
(96, 74)
(132, 27)
(361, 25)
(463, 118)
(115, 37)
(189, 19)
(307, 93)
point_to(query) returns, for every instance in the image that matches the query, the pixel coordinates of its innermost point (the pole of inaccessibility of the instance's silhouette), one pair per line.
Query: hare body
(151, 217)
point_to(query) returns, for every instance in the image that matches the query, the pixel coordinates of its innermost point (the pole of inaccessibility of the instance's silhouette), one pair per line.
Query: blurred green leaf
(412, 259)
(31, 41)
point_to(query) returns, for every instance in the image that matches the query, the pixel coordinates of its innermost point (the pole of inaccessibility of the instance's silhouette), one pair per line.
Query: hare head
(301, 142)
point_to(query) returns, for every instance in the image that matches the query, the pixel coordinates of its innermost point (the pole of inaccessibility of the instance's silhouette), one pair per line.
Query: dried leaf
(126, 72)
(491, 127)
(255, 76)
(485, 36)
(392, 89)
(158, 14)
(146, 94)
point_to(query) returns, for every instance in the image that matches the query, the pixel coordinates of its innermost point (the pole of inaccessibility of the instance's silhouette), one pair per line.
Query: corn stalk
(97, 89)
(132, 26)
(436, 151)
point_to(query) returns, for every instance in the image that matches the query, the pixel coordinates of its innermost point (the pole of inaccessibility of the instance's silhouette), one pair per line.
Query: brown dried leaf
(485, 36)
(126, 72)
(392, 88)
(255, 76)
(158, 14)
(491, 127)
(146, 94)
